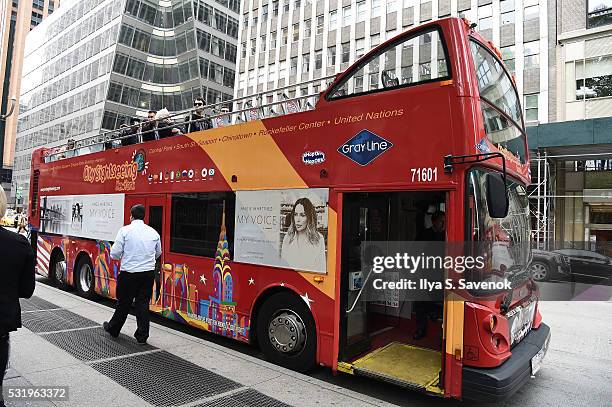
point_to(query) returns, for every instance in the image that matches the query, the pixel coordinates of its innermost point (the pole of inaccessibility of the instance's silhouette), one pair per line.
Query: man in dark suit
(17, 276)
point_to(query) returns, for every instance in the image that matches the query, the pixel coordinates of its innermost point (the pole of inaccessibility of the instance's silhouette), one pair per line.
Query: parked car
(585, 264)
(547, 265)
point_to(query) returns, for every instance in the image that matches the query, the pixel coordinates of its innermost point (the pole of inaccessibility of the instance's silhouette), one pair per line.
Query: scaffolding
(541, 203)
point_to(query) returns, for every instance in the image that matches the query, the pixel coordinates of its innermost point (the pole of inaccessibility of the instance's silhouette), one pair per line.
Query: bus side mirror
(497, 195)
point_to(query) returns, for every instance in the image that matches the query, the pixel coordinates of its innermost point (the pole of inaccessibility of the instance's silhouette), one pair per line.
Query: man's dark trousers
(137, 288)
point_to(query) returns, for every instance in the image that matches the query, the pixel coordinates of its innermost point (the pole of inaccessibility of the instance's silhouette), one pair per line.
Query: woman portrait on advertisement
(303, 246)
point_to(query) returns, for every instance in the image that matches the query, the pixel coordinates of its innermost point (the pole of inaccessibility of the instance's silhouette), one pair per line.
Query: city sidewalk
(63, 344)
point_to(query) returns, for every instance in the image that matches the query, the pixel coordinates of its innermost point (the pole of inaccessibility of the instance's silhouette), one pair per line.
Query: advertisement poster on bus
(282, 228)
(90, 216)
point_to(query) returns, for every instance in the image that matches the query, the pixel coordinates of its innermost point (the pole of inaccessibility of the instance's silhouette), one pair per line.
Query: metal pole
(545, 215)
(539, 198)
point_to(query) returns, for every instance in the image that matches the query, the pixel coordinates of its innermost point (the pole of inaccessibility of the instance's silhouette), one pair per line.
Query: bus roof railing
(221, 116)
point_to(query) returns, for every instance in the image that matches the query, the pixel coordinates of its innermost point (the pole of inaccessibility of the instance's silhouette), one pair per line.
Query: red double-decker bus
(262, 221)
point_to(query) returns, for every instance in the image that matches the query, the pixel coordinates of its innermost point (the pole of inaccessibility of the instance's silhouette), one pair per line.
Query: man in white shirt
(137, 246)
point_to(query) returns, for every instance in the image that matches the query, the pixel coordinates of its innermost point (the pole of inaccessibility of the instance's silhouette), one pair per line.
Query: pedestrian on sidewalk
(137, 246)
(17, 276)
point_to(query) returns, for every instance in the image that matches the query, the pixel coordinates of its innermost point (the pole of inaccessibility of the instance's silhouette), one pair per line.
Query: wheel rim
(60, 270)
(538, 271)
(287, 332)
(85, 277)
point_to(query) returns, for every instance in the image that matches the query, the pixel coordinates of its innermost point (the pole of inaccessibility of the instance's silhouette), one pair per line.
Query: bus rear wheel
(57, 270)
(286, 332)
(84, 278)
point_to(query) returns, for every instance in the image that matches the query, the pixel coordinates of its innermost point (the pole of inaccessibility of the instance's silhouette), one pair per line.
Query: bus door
(380, 336)
(154, 217)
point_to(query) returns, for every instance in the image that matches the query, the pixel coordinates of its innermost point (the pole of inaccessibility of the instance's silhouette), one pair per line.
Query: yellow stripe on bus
(249, 153)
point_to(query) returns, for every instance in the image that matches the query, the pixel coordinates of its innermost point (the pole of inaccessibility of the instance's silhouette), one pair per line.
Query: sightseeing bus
(263, 218)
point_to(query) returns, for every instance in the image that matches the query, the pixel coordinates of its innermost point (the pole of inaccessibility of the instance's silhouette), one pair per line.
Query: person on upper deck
(165, 125)
(197, 120)
(148, 126)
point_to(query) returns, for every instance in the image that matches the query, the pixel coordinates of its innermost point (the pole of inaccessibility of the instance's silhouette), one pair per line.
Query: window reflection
(494, 83)
(406, 61)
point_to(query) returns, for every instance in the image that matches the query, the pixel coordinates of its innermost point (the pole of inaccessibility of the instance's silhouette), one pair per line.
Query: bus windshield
(505, 241)
(500, 103)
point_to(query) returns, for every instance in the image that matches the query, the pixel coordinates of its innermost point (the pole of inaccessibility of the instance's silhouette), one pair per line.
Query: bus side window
(200, 220)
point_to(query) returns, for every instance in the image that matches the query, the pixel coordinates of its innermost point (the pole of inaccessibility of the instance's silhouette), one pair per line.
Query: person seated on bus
(430, 309)
(197, 120)
(69, 150)
(147, 128)
(131, 134)
(165, 125)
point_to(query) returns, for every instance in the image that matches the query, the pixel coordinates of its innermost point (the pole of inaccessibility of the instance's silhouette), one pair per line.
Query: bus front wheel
(286, 332)
(84, 278)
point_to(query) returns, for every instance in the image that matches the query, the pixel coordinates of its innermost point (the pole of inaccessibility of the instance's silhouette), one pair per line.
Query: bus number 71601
(424, 174)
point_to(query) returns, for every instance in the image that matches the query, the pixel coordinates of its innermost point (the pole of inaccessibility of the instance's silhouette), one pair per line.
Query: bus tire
(57, 270)
(84, 279)
(286, 332)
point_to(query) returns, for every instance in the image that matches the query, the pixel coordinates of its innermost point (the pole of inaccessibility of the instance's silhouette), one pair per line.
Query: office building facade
(17, 18)
(97, 64)
(283, 42)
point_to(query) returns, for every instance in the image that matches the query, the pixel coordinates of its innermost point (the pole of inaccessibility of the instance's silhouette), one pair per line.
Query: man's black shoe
(141, 342)
(106, 328)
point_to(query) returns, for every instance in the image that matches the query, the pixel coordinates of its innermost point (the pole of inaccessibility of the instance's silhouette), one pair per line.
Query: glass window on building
(508, 58)
(318, 59)
(531, 107)
(293, 66)
(531, 50)
(593, 78)
(346, 52)
(333, 20)
(507, 12)
(599, 13)
(531, 13)
(391, 6)
(264, 12)
(305, 63)
(273, 40)
(307, 28)
(376, 8)
(359, 47)
(320, 24)
(331, 56)
(346, 16)
(296, 32)
(361, 10)
(485, 19)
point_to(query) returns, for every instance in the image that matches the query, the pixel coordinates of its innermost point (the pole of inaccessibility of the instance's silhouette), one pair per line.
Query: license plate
(536, 361)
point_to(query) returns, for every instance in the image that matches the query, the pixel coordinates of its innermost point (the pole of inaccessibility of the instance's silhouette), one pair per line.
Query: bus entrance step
(402, 364)
(164, 379)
